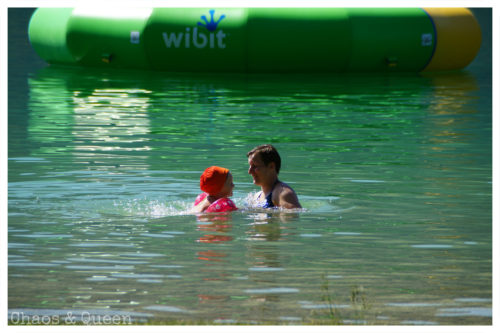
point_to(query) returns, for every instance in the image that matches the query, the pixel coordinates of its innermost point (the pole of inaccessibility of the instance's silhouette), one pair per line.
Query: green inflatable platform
(258, 40)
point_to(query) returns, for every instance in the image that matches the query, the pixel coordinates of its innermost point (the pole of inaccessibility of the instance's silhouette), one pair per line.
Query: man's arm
(288, 199)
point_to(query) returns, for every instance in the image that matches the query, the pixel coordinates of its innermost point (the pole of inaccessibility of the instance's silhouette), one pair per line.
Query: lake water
(394, 173)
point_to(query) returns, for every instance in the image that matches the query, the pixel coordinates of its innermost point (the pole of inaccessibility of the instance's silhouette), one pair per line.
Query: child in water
(217, 186)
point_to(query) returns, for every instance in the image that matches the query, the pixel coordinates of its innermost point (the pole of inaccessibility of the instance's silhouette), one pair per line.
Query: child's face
(227, 189)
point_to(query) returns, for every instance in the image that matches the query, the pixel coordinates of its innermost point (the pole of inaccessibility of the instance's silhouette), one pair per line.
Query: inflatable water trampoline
(258, 40)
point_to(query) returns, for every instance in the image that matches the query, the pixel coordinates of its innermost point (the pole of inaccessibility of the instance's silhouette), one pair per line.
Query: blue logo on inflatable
(212, 25)
(191, 37)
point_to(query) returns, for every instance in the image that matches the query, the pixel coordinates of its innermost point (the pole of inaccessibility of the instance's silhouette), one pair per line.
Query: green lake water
(394, 173)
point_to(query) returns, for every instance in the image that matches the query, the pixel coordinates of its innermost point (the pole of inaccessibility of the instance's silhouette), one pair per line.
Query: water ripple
(463, 312)
(278, 290)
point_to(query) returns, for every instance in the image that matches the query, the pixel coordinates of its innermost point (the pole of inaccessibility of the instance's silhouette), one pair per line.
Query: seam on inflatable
(435, 40)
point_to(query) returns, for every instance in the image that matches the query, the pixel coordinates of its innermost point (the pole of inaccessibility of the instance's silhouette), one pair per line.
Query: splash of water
(154, 208)
(160, 207)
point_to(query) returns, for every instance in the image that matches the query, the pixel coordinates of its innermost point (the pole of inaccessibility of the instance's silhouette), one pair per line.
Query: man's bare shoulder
(287, 198)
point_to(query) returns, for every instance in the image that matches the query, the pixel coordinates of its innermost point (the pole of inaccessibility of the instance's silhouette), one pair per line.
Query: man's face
(258, 170)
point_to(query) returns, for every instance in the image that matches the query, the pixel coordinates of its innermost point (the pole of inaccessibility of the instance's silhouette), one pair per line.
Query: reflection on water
(96, 125)
(394, 173)
(109, 120)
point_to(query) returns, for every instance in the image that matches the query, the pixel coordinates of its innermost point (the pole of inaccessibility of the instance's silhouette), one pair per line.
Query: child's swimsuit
(220, 205)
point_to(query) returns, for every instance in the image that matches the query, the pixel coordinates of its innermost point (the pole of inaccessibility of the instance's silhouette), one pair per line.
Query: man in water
(265, 164)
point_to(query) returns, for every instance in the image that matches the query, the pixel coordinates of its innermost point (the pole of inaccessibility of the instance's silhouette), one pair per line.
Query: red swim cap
(213, 179)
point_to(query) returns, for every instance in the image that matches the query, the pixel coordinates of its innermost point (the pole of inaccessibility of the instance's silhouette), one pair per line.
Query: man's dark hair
(268, 154)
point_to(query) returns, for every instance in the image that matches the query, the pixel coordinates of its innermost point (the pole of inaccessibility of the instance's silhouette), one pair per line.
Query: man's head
(268, 154)
(265, 164)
